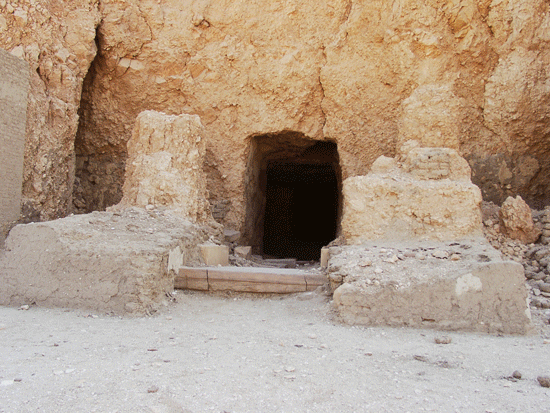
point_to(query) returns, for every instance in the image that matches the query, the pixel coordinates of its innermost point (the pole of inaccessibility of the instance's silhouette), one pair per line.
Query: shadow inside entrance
(293, 186)
(301, 209)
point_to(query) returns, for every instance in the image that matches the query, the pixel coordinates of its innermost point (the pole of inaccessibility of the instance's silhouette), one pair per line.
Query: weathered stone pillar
(14, 84)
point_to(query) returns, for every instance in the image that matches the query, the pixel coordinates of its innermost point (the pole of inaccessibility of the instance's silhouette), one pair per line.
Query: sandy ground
(240, 353)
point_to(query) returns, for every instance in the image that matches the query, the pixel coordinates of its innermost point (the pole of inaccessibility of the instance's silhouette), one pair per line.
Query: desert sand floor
(240, 353)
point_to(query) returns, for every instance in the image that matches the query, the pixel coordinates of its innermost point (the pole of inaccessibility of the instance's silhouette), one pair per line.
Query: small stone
(153, 389)
(455, 257)
(420, 256)
(516, 375)
(443, 340)
(378, 270)
(440, 254)
(544, 381)
(393, 259)
(312, 336)
(24, 307)
(290, 369)
(366, 263)
(231, 235)
(544, 287)
(18, 380)
(243, 252)
(532, 275)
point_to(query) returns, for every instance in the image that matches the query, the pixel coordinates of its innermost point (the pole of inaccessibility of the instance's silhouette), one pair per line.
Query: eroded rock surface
(363, 74)
(57, 39)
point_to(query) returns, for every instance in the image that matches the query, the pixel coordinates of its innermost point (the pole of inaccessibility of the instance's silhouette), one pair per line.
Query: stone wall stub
(14, 85)
(428, 195)
(164, 166)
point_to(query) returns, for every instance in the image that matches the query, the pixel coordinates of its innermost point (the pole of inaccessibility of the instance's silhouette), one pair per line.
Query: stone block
(480, 292)
(109, 262)
(192, 278)
(248, 279)
(231, 235)
(243, 252)
(431, 197)
(325, 255)
(215, 254)
(256, 280)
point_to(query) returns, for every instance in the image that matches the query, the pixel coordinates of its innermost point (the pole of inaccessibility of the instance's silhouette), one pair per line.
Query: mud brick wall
(14, 84)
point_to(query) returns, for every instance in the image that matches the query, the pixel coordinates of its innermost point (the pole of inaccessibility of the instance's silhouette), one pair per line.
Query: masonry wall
(14, 84)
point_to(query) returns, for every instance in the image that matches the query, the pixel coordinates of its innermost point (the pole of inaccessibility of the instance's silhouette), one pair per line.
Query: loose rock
(443, 340)
(544, 381)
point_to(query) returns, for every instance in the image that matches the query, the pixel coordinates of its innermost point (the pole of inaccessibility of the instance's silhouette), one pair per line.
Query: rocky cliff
(363, 74)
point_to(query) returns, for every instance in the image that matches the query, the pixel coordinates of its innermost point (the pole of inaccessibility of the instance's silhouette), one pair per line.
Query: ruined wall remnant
(428, 196)
(472, 291)
(120, 262)
(164, 167)
(14, 85)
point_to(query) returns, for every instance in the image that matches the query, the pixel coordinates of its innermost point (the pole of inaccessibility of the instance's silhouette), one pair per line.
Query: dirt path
(243, 354)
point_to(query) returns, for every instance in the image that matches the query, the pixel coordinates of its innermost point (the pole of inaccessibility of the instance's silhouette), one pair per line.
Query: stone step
(247, 279)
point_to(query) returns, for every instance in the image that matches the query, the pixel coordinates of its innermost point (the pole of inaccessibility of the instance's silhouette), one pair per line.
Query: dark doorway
(293, 195)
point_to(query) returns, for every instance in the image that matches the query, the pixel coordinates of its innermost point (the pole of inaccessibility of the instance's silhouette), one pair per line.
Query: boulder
(517, 221)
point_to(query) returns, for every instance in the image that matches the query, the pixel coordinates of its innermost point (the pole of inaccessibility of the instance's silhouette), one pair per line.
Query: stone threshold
(247, 279)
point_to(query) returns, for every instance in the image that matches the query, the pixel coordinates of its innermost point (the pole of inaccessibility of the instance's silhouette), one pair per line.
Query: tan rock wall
(361, 73)
(56, 38)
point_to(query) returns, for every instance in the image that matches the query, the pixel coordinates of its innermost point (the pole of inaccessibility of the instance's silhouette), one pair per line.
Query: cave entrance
(293, 195)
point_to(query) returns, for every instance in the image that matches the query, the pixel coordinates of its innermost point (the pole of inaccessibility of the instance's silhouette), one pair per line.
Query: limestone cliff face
(56, 37)
(364, 74)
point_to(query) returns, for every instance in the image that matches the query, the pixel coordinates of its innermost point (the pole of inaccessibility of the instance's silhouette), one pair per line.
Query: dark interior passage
(301, 209)
(293, 195)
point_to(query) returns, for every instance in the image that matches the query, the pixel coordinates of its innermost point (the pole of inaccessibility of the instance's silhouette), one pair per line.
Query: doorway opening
(293, 195)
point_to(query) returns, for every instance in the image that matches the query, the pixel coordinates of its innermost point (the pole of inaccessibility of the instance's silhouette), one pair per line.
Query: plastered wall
(14, 84)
